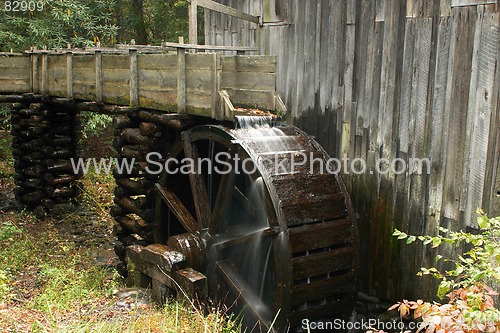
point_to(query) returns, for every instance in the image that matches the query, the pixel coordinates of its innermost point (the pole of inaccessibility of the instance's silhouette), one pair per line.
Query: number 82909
(23, 6)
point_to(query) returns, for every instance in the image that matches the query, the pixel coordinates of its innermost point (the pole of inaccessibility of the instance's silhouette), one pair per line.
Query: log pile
(43, 143)
(137, 134)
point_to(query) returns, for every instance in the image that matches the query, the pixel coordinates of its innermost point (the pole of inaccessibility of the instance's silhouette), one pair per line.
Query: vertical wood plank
(491, 195)
(45, 74)
(406, 89)
(134, 84)
(69, 75)
(458, 104)
(485, 54)
(193, 21)
(217, 111)
(35, 81)
(181, 80)
(439, 124)
(98, 77)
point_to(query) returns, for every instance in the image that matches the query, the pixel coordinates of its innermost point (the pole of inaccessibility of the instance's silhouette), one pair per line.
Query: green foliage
(94, 123)
(5, 116)
(61, 22)
(4, 284)
(479, 264)
(8, 231)
(82, 23)
(471, 306)
(163, 20)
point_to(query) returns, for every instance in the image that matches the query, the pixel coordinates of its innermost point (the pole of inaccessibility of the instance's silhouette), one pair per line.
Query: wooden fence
(398, 80)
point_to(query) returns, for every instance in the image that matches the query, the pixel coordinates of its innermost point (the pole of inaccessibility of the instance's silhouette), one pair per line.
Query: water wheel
(275, 243)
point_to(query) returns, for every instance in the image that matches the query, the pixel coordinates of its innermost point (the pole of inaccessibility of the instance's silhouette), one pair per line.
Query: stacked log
(43, 143)
(136, 135)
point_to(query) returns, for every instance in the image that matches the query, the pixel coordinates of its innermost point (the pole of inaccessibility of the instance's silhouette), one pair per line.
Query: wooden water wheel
(275, 243)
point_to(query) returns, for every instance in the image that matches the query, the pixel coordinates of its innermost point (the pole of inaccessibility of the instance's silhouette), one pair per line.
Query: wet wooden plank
(334, 309)
(178, 209)
(306, 186)
(322, 263)
(315, 211)
(320, 235)
(335, 286)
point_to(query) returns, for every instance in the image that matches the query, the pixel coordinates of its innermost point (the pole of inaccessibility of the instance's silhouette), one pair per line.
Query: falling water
(244, 244)
(246, 122)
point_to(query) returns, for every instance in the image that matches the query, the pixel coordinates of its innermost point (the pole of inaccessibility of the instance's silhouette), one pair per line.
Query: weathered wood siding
(393, 79)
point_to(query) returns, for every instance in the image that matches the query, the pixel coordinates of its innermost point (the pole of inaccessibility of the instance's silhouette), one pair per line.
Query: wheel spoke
(223, 243)
(198, 188)
(222, 200)
(244, 293)
(242, 198)
(178, 208)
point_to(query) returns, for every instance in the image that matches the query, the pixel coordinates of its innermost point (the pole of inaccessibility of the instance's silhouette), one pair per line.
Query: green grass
(51, 282)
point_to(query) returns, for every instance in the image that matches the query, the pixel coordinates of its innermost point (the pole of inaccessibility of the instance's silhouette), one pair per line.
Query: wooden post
(35, 87)
(134, 86)
(193, 22)
(217, 111)
(45, 73)
(181, 79)
(69, 74)
(98, 77)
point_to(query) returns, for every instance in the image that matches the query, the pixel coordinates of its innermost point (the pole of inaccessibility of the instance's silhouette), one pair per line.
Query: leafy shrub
(470, 308)
(94, 123)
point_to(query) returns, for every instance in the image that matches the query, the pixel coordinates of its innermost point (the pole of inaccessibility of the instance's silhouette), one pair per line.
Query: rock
(132, 298)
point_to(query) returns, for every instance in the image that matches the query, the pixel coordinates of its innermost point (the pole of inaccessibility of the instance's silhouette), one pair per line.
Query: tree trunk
(139, 24)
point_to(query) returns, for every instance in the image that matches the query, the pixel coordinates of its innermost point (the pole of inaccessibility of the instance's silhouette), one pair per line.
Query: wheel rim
(256, 259)
(242, 234)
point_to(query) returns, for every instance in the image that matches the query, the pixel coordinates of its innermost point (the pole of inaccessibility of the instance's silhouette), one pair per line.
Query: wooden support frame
(193, 21)
(98, 76)
(69, 75)
(181, 80)
(212, 5)
(35, 86)
(217, 111)
(134, 84)
(45, 74)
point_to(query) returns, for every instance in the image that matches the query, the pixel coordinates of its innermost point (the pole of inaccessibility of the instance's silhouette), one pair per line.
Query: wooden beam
(35, 87)
(193, 22)
(134, 84)
(217, 112)
(212, 5)
(462, 3)
(210, 47)
(98, 76)
(181, 80)
(69, 75)
(45, 74)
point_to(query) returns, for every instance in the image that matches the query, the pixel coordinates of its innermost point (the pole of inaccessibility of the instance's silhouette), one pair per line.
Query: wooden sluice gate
(278, 246)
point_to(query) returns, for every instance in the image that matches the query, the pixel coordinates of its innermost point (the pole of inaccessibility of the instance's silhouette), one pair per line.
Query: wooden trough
(160, 78)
